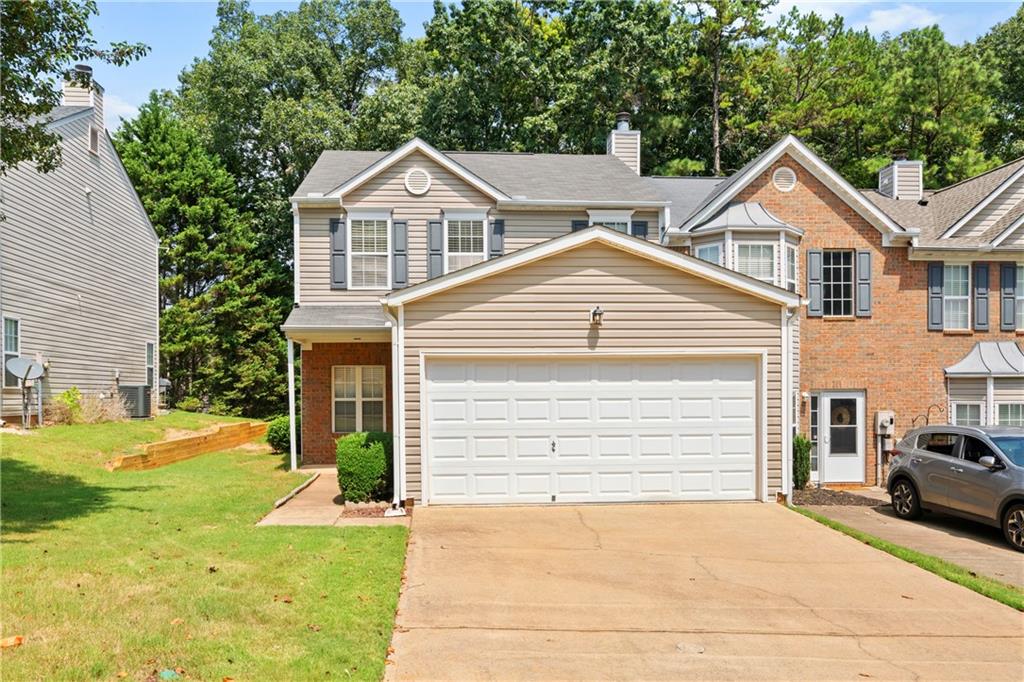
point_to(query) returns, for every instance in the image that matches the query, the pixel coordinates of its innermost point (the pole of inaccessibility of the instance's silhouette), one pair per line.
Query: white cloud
(901, 18)
(114, 109)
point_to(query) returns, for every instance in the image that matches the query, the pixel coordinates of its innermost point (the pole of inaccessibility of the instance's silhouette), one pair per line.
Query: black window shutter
(578, 225)
(814, 284)
(1007, 296)
(339, 266)
(981, 287)
(496, 242)
(935, 275)
(863, 301)
(435, 249)
(400, 254)
(639, 229)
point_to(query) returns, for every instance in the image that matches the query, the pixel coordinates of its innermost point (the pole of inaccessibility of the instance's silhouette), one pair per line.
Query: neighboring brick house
(553, 350)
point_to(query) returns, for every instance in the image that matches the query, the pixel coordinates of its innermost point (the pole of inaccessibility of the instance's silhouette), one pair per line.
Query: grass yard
(135, 572)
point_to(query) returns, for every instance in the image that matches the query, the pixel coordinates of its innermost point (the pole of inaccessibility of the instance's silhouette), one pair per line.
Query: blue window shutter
(400, 254)
(435, 249)
(935, 276)
(339, 241)
(863, 293)
(981, 287)
(496, 242)
(814, 263)
(1007, 295)
(578, 225)
(639, 229)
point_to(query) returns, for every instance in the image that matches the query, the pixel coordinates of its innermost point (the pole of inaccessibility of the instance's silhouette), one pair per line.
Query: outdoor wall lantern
(596, 315)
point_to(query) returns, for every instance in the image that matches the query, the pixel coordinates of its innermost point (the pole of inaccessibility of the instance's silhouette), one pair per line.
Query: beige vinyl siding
(78, 269)
(626, 146)
(908, 180)
(544, 306)
(994, 211)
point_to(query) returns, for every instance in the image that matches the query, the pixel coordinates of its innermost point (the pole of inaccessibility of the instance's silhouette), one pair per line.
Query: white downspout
(293, 450)
(398, 437)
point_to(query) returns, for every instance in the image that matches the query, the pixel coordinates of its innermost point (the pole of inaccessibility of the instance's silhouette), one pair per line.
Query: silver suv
(968, 471)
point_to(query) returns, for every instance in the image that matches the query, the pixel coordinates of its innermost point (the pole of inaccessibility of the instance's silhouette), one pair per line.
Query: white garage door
(608, 430)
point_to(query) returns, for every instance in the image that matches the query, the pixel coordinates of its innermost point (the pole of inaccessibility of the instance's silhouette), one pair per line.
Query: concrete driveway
(695, 591)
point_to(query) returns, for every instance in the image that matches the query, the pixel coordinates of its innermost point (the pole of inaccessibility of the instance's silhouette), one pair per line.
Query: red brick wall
(317, 406)
(891, 356)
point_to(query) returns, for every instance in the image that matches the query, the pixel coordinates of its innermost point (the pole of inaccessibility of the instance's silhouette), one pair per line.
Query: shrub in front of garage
(363, 463)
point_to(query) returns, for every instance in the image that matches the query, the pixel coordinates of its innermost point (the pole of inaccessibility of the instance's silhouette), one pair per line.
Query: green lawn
(146, 571)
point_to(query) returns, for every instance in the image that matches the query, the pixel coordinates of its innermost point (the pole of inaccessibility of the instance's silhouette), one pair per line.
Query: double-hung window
(1019, 293)
(150, 363)
(358, 396)
(956, 299)
(712, 253)
(757, 261)
(12, 348)
(1010, 414)
(791, 271)
(968, 414)
(616, 220)
(369, 250)
(465, 239)
(837, 283)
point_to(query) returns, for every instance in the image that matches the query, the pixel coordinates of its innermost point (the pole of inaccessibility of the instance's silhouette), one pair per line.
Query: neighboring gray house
(79, 268)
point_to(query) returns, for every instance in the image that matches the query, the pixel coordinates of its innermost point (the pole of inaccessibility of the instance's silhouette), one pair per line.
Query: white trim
(759, 354)
(358, 214)
(981, 411)
(728, 250)
(989, 198)
(5, 353)
(775, 258)
(457, 215)
(603, 217)
(612, 238)
(296, 228)
(775, 179)
(1019, 222)
(990, 397)
(292, 447)
(812, 163)
(417, 145)
(787, 402)
(825, 435)
(398, 431)
(358, 399)
(996, 421)
(426, 189)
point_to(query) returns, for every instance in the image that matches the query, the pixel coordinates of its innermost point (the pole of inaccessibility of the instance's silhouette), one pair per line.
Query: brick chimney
(623, 143)
(82, 91)
(902, 179)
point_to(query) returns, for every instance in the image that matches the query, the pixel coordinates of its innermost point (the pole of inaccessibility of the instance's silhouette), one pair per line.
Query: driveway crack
(597, 536)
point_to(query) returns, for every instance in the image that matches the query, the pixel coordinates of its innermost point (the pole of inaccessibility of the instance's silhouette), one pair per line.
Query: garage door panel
(537, 431)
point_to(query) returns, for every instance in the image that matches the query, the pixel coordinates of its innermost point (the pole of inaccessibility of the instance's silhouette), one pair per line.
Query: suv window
(974, 449)
(939, 443)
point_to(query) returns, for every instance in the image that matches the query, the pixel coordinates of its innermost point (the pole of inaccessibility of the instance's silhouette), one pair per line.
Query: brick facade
(890, 356)
(318, 441)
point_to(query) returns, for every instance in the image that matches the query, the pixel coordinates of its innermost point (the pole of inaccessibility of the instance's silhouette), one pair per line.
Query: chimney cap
(622, 120)
(899, 155)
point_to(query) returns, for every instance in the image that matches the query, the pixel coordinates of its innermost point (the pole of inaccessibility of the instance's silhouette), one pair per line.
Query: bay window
(369, 251)
(358, 397)
(757, 261)
(967, 414)
(791, 268)
(1010, 414)
(956, 300)
(711, 253)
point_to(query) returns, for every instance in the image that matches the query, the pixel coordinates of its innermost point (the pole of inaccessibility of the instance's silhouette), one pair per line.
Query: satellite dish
(25, 369)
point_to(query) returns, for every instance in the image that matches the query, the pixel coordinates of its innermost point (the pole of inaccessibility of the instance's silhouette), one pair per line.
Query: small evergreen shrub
(363, 463)
(801, 462)
(189, 404)
(279, 434)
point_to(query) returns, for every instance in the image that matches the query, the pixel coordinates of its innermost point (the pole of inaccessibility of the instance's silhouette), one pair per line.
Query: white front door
(841, 437)
(590, 430)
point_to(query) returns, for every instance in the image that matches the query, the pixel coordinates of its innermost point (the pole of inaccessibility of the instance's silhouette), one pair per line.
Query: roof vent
(784, 179)
(417, 181)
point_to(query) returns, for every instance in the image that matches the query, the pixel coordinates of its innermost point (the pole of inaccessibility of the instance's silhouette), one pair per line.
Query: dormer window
(616, 220)
(94, 140)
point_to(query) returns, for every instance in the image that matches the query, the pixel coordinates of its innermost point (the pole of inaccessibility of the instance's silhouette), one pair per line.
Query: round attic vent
(417, 181)
(784, 179)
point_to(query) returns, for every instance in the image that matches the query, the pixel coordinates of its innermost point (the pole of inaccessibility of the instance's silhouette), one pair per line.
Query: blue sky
(178, 33)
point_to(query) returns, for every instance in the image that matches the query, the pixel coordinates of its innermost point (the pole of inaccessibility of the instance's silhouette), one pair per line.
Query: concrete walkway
(680, 591)
(320, 504)
(975, 546)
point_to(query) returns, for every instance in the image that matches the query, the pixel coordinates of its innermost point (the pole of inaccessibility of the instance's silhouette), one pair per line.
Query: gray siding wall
(79, 270)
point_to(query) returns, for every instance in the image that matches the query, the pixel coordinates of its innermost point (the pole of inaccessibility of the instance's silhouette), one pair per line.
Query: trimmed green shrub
(279, 434)
(363, 460)
(801, 462)
(189, 404)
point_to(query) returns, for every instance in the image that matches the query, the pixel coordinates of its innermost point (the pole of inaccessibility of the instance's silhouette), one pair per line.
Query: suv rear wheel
(1013, 526)
(904, 500)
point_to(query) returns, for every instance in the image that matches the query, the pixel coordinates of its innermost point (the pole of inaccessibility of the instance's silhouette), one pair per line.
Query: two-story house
(79, 271)
(539, 328)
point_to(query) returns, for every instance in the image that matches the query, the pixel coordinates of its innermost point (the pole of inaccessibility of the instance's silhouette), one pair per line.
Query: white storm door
(590, 430)
(841, 437)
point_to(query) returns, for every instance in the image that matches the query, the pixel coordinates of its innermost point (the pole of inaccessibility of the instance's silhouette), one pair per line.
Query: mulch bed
(830, 498)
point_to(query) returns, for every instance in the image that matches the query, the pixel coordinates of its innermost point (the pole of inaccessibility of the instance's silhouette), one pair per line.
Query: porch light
(596, 315)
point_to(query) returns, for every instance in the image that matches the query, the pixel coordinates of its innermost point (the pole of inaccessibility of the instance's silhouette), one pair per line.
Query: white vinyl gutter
(398, 411)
